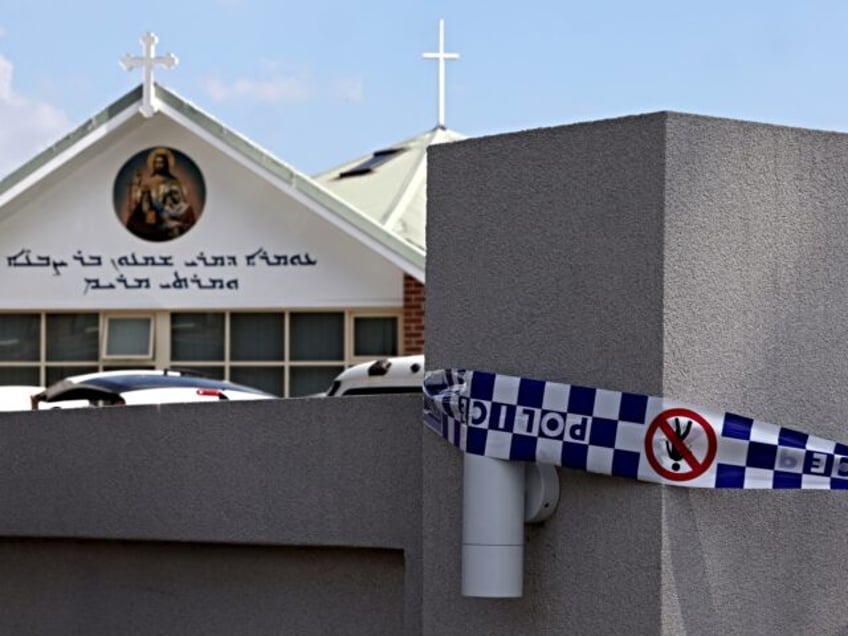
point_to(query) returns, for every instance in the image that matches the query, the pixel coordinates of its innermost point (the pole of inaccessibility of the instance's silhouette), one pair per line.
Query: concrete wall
(284, 516)
(110, 587)
(755, 305)
(545, 259)
(698, 258)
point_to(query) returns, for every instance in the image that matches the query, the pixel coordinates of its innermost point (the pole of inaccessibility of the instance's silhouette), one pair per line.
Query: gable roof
(407, 256)
(389, 186)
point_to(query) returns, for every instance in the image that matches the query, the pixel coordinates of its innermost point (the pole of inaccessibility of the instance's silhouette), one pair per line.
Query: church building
(153, 236)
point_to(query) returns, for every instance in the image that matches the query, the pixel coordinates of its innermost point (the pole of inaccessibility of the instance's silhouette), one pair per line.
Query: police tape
(624, 434)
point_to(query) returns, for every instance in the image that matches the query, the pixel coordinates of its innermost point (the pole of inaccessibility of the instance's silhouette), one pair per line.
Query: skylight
(378, 158)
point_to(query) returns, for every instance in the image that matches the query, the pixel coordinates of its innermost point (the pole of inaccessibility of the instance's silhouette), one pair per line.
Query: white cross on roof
(147, 61)
(442, 56)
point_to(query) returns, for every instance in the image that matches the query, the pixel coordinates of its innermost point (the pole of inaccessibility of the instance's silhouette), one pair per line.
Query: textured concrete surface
(755, 304)
(545, 253)
(699, 258)
(545, 259)
(93, 587)
(182, 487)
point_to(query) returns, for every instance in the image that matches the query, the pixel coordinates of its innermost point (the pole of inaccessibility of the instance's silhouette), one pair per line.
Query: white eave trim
(68, 154)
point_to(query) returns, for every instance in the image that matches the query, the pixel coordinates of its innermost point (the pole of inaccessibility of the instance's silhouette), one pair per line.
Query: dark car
(143, 386)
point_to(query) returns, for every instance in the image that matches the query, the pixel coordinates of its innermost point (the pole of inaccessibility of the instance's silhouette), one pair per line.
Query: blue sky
(321, 82)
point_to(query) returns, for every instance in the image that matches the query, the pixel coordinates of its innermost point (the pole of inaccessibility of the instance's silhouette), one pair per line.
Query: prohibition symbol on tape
(673, 428)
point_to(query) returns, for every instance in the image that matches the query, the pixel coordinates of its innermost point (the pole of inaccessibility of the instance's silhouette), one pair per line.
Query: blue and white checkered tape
(624, 434)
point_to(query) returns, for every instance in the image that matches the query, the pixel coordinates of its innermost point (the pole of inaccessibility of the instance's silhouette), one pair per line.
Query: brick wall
(413, 316)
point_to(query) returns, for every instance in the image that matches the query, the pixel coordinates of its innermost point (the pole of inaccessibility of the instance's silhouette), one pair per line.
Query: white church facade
(154, 236)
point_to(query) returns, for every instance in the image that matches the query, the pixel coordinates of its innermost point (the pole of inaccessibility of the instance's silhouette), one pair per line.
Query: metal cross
(147, 61)
(442, 56)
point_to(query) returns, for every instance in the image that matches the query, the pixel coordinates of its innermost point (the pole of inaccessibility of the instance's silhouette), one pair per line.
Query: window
(375, 336)
(128, 337)
(72, 337)
(257, 336)
(287, 353)
(20, 337)
(197, 337)
(256, 341)
(271, 379)
(310, 380)
(56, 372)
(211, 371)
(19, 375)
(317, 336)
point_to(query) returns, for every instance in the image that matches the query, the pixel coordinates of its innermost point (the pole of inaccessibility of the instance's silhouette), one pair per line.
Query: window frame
(160, 355)
(104, 345)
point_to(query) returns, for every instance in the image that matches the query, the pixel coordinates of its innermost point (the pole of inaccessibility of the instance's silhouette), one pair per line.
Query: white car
(142, 386)
(403, 374)
(18, 397)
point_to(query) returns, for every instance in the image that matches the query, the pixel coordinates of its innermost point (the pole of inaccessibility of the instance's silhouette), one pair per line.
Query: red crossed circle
(696, 467)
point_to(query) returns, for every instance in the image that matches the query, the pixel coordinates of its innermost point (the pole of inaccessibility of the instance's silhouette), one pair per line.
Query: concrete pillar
(698, 258)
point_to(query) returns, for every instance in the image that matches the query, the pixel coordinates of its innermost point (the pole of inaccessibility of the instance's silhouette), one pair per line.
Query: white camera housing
(498, 498)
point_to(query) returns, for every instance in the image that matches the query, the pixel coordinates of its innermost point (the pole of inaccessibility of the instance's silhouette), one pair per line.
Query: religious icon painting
(159, 194)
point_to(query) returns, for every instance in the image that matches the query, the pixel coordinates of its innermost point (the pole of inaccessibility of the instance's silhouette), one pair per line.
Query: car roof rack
(193, 373)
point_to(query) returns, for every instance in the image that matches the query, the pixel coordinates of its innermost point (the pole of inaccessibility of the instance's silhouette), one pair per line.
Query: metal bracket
(541, 492)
